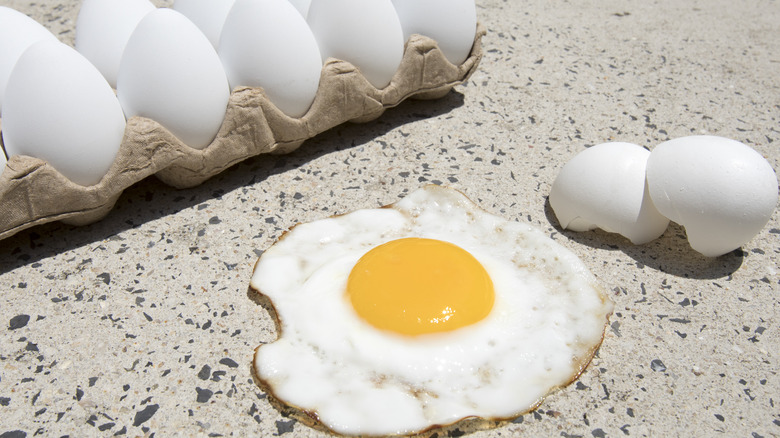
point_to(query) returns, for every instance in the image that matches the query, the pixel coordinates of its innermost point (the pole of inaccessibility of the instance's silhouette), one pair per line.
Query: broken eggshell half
(604, 187)
(722, 191)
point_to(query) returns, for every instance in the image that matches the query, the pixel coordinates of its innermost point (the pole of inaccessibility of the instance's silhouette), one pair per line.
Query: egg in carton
(32, 192)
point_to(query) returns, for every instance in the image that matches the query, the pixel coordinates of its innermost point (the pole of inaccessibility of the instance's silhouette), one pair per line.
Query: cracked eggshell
(103, 28)
(452, 23)
(268, 44)
(208, 15)
(17, 33)
(366, 33)
(604, 187)
(60, 109)
(170, 73)
(722, 191)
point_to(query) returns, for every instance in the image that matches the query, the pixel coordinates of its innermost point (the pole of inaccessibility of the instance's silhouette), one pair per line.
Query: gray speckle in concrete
(204, 372)
(18, 322)
(204, 394)
(145, 414)
(228, 362)
(657, 365)
(142, 324)
(283, 427)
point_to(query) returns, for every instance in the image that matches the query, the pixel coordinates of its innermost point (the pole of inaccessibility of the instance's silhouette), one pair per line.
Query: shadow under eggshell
(32, 192)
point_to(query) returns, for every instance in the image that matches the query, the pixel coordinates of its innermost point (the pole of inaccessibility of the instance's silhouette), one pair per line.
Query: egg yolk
(416, 286)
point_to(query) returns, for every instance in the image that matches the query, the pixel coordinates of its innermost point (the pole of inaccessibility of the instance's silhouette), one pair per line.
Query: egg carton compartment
(32, 192)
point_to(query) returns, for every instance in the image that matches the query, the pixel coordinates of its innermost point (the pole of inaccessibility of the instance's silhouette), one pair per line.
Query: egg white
(547, 320)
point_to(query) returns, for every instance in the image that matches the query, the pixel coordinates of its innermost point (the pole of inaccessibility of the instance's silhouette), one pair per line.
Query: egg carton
(32, 192)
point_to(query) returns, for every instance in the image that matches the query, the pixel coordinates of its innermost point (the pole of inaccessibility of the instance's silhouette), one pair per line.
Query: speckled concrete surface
(143, 324)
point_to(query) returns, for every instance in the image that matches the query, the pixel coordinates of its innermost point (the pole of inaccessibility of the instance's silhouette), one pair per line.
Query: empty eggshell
(103, 28)
(17, 33)
(171, 73)
(2, 161)
(452, 23)
(722, 191)
(59, 108)
(268, 44)
(366, 33)
(604, 187)
(208, 15)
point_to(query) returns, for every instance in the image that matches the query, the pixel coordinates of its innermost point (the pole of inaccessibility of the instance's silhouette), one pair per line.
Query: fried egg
(420, 314)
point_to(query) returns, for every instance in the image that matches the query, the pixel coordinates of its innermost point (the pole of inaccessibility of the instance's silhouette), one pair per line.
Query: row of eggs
(722, 191)
(177, 66)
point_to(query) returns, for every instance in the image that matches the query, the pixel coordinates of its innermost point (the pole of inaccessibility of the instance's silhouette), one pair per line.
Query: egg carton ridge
(32, 192)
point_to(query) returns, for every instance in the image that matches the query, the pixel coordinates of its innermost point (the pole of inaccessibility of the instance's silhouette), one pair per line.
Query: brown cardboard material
(32, 192)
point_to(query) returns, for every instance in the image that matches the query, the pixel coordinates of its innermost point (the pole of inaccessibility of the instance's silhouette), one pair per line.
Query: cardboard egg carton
(32, 192)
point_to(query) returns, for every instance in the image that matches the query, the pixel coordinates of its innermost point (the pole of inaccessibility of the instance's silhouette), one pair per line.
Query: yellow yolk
(415, 286)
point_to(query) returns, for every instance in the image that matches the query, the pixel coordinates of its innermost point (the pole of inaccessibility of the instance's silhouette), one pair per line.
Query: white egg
(268, 44)
(722, 191)
(604, 187)
(302, 6)
(366, 33)
(59, 108)
(357, 375)
(103, 28)
(170, 73)
(17, 33)
(452, 23)
(208, 15)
